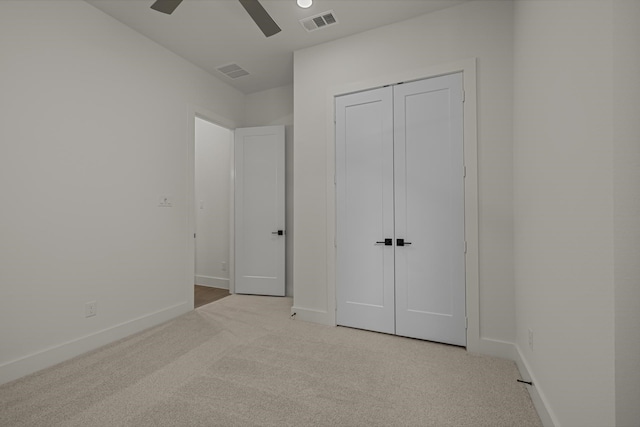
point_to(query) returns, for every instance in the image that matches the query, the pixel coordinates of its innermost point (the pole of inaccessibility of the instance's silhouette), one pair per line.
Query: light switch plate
(165, 201)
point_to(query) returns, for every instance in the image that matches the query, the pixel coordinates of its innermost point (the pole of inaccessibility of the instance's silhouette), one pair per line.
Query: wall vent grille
(321, 20)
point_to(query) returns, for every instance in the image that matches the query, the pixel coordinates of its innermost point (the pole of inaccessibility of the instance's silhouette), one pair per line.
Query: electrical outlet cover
(90, 309)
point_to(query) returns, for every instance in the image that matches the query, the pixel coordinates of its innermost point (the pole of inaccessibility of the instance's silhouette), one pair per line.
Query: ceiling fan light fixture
(305, 3)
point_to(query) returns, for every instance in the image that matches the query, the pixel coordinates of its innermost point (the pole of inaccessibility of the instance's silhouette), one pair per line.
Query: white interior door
(364, 169)
(400, 178)
(429, 210)
(260, 211)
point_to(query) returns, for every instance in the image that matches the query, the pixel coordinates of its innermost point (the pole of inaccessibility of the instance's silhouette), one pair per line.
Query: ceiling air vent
(318, 21)
(233, 70)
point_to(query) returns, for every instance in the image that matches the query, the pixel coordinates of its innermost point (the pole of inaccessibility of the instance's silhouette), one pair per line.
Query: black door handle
(279, 232)
(401, 242)
(387, 242)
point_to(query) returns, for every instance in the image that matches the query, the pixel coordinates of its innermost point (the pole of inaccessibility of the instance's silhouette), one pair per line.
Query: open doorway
(213, 151)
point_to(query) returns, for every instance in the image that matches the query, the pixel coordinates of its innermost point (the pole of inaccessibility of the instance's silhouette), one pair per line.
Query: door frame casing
(391, 312)
(468, 68)
(194, 112)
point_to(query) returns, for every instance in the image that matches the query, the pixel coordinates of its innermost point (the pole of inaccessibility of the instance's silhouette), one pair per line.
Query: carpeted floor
(241, 361)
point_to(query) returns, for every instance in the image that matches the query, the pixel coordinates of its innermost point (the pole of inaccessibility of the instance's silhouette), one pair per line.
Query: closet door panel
(364, 173)
(429, 208)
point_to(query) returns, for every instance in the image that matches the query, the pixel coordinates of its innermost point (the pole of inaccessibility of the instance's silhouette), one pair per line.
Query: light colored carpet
(241, 361)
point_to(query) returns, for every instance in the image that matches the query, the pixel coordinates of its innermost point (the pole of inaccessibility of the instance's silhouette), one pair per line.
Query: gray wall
(213, 145)
(577, 234)
(94, 126)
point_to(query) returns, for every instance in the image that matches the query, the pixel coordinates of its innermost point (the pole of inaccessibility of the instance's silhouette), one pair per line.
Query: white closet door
(429, 210)
(259, 211)
(364, 172)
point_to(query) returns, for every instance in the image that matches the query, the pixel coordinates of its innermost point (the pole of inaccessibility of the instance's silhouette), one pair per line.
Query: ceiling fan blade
(166, 6)
(260, 17)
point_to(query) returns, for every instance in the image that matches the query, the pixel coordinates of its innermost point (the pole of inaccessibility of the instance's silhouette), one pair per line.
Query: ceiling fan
(253, 7)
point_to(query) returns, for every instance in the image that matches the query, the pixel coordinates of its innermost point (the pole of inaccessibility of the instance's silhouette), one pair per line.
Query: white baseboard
(311, 315)
(45, 358)
(491, 347)
(537, 395)
(507, 350)
(212, 282)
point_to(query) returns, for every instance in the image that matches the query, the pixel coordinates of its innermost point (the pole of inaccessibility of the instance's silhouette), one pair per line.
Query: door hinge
(464, 171)
(194, 235)
(466, 323)
(464, 95)
(465, 246)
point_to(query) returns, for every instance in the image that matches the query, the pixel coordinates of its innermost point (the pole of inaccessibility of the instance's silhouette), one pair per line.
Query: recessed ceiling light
(305, 3)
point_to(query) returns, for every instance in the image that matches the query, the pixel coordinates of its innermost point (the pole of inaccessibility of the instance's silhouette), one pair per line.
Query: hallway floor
(204, 295)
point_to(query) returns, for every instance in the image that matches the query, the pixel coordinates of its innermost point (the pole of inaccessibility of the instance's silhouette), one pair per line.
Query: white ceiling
(212, 33)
